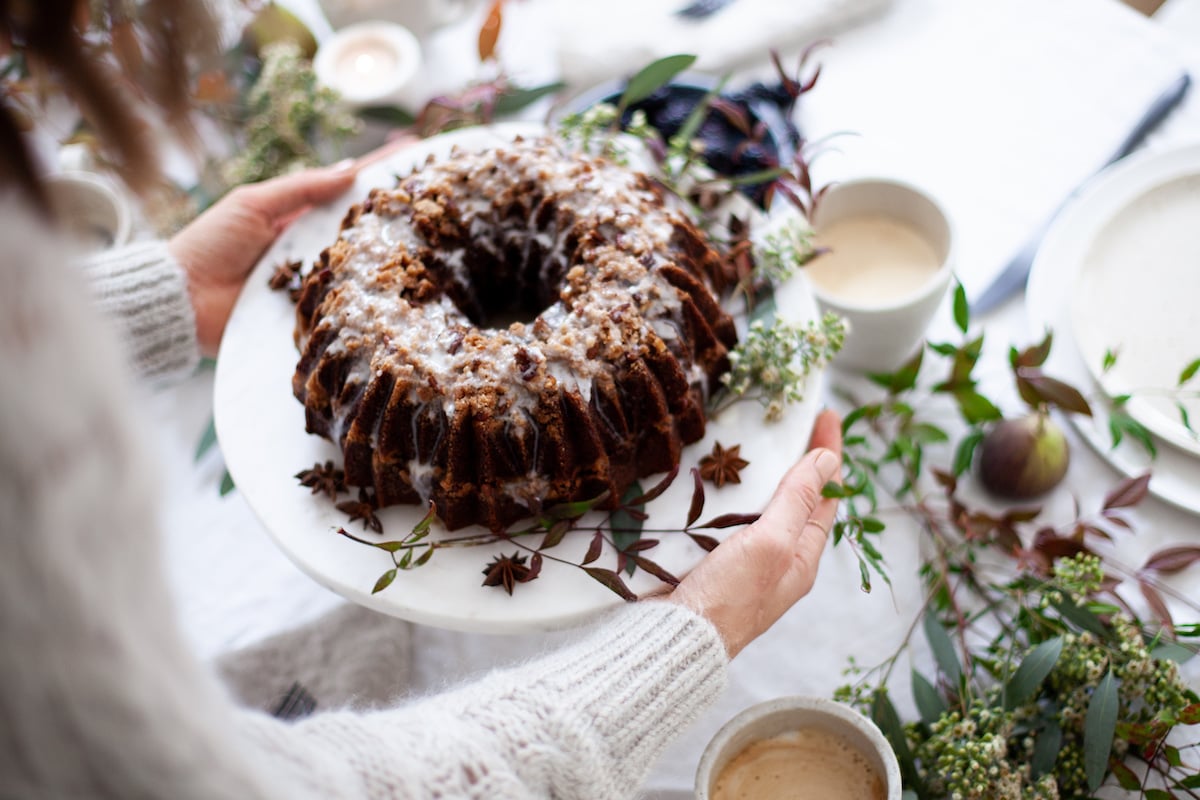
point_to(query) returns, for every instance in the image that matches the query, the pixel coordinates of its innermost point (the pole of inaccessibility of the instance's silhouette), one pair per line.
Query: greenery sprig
(1046, 682)
(622, 529)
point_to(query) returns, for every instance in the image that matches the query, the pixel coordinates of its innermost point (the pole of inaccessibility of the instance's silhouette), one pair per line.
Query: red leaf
(1172, 559)
(1022, 514)
(1128, 492)
(707, 542)
(612, 580)
(489, 32)
(1036, 355)
(946, 480)
(594, 549)
(1059, 547)
(655, 570)
(640, 545)
(1054, 392)
(697, 498)
(1155, 601)
(730, 521)
(535, 567)
(658, 489)
(1190, 715)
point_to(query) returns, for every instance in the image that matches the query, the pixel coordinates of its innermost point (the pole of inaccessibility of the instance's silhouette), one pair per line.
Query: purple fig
(1023, 458)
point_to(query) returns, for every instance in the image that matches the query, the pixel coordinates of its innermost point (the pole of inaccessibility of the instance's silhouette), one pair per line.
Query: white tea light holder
(370, 63)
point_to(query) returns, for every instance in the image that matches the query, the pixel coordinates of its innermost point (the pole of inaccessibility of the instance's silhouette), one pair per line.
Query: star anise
(323, 478)
(508, 571)
(722, 466)
(284, 274)
(287, 276)
(362, 509)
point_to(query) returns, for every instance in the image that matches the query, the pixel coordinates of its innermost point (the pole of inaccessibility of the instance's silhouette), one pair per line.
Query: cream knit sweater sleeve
(101, 698)
(143, 292)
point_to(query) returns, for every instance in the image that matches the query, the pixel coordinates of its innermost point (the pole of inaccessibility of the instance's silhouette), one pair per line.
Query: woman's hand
(218, 249)
(758, 573)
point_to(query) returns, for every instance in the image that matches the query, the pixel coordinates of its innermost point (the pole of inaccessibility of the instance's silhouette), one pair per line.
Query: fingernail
(827, 464)
(345, 165)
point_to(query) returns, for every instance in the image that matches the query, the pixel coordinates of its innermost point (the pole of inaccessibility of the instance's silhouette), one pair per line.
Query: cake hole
(503, 291)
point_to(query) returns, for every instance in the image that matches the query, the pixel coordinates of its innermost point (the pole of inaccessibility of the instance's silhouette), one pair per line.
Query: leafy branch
(1046, 682)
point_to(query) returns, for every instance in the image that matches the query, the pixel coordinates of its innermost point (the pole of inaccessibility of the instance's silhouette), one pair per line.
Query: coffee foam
(807, 764)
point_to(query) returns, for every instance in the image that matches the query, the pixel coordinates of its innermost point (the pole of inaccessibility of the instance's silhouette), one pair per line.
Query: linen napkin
(602, 41)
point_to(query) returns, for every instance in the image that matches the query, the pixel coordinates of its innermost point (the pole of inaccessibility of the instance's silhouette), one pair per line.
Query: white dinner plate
(261, 430)
(1074, 268)
(1137, 290)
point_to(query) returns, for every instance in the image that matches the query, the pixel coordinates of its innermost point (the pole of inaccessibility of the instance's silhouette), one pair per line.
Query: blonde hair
(125, 64)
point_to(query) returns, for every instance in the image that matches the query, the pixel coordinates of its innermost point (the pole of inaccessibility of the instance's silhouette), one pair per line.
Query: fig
(1023, 458)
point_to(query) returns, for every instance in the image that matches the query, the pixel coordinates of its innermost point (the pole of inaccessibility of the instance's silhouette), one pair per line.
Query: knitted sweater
(99, 695)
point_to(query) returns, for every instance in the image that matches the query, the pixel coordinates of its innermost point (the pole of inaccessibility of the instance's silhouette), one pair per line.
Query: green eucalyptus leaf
(627, 528)
(962, 311)
(925, 433)
(653, 76)
(385, 580)
(764, 309)
(883, 714)
(1189, 372)
(516, 99)
(390, 115)
(207, 439)
(974, 407)
(1098, 728)
(1045, 749)
(943, 649)
(928, 701)
(1082, 617)
(1173, 651)
(1033, 670)
(964, 454)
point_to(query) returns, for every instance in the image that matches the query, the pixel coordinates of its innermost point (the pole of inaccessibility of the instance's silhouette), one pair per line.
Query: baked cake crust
(410, 364)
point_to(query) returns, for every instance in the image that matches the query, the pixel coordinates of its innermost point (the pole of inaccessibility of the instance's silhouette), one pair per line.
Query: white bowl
(885, 333)
(786, 714)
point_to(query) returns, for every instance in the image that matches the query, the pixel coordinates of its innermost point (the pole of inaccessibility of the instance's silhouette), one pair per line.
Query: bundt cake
(510, 329)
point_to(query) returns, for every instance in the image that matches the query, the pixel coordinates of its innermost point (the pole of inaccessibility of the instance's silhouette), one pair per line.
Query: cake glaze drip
(509, 329)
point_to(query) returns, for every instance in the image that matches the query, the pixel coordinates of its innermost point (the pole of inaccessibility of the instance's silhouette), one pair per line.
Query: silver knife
(1012, 278)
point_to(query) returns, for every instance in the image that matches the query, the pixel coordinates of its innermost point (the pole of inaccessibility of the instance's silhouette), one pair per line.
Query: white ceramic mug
(788, 714)
(91, 209)
(420, 16)
(885, 332)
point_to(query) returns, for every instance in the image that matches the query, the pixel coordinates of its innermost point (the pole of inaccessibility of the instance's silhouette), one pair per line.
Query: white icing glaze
(572, 341)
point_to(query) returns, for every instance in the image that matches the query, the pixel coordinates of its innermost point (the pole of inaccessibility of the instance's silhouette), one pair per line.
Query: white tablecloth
(998, 108)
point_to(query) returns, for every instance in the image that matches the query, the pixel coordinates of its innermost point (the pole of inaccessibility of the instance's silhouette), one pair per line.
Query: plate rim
(1122, 189)
(1096, 202)
(229, 393)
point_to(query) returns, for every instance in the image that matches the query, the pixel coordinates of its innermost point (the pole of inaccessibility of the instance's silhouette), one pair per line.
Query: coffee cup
(885, 261)
(799, 748)
(90, 209)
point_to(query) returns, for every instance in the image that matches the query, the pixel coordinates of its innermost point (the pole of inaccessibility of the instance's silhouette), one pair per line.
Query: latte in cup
(806, 764)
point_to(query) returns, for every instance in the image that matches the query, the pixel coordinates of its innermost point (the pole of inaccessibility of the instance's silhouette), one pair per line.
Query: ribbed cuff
(642, 677)
(144, 291)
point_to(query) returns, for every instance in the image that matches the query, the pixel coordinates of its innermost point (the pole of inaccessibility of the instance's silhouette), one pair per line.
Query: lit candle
(369, 63)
